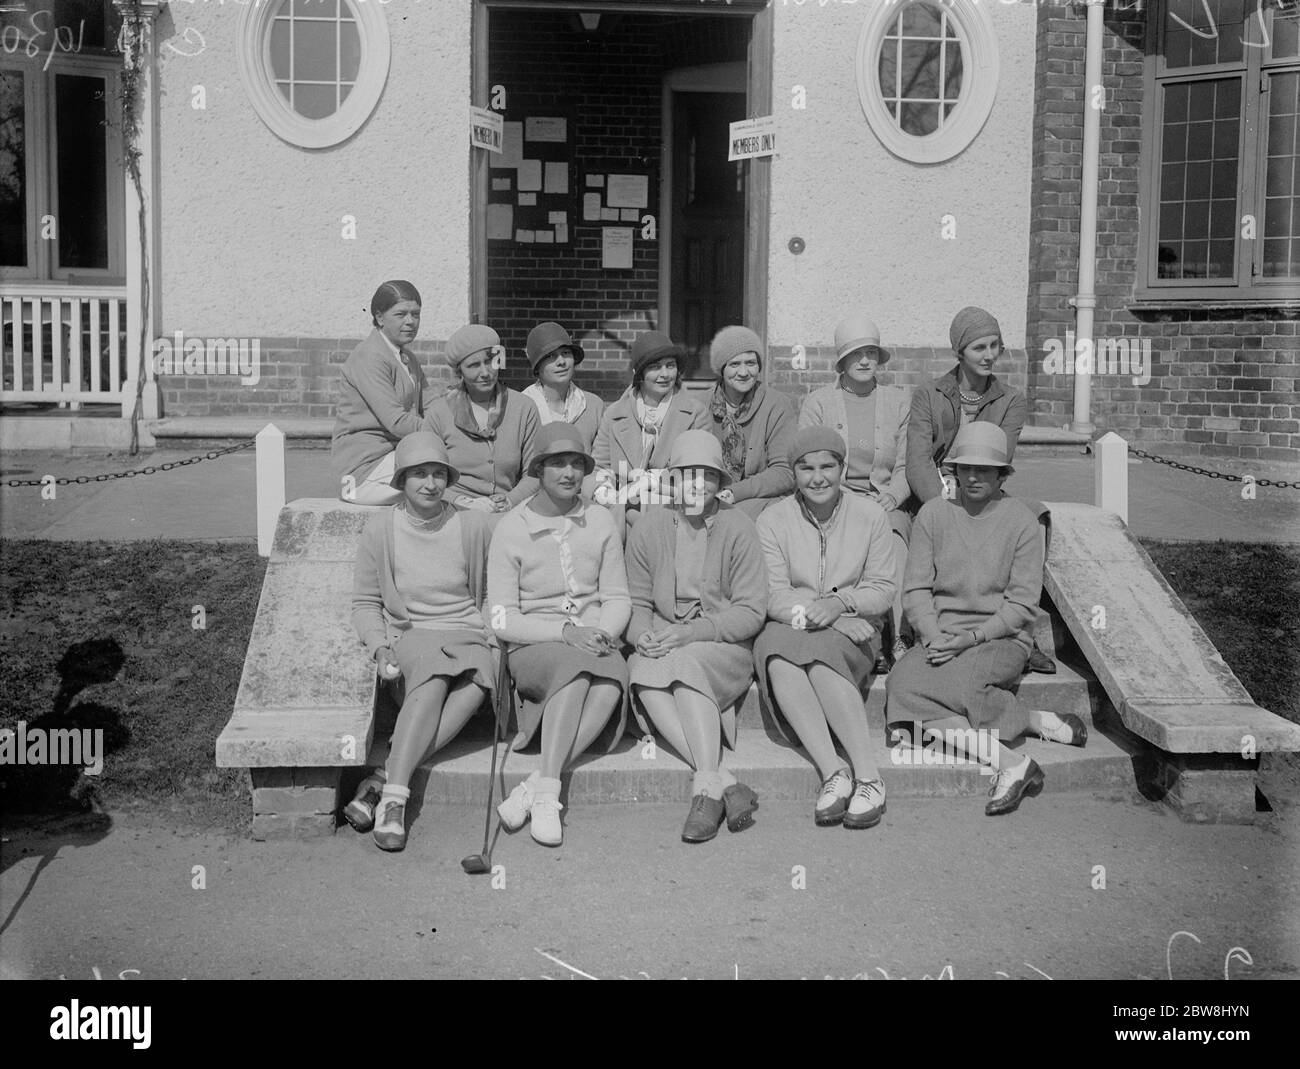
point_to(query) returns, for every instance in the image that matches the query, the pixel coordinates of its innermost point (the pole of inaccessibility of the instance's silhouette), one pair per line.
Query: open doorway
(626, 116)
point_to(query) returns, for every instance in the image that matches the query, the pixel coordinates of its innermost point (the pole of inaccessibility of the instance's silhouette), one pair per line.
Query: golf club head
(475, 865)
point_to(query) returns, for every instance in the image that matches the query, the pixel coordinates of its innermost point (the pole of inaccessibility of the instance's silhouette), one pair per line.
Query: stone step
(635, 772)
(638, 771)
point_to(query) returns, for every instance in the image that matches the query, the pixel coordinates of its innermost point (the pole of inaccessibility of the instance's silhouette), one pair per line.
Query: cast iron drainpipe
(1086, 299)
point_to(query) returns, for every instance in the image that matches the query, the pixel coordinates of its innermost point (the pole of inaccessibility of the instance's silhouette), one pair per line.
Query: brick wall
(614, 89)
(1224, 380)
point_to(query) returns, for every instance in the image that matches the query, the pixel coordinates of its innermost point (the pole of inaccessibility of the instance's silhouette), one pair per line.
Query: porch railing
(66, 344)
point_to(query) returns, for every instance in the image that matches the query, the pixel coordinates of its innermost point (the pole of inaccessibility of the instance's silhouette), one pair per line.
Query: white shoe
(833, 801)
(867, 805)
(514, 810)
(546, 827)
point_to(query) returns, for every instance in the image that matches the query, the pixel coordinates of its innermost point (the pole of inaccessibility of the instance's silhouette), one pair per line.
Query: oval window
(313, 69)
(927, 76)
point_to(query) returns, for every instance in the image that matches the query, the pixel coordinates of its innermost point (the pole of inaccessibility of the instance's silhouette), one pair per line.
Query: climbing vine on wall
(134, 44)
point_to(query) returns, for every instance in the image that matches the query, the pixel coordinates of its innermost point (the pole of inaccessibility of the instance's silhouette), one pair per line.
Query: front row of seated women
(705, 600)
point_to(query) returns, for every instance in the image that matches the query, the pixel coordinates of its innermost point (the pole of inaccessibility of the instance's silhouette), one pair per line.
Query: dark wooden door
(708, 220)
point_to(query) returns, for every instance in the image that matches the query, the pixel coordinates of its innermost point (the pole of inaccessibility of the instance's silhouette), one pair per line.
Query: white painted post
(1110, 472)
(270, 485)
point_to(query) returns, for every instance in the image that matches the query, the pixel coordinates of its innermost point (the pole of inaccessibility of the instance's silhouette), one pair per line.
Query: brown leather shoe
(1007, 792)
(740, 802)
(704, 819)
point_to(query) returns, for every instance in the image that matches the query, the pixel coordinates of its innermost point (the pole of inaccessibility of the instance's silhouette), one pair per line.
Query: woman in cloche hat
(971, 589)
(553, 357)
(699, 596)
(488, 428)
(417, 606)
(830, 568)
(559, 597)
(638, 430)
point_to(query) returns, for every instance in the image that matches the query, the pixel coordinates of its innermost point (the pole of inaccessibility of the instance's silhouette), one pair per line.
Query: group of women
(659, 554)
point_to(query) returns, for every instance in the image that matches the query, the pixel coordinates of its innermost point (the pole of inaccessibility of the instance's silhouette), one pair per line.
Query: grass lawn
(103, 635)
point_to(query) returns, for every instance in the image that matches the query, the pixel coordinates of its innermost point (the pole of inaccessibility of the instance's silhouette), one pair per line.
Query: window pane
(1199, 162)
(921, 20)
(1194, 37)
(315, 101)
(920, 63)
(1282, 179)
(349, 51)
(13, 171)
(889, 71)
(82, 167)
(1286, 35)
(952, 71)
(102, 22)
(316, 8)
(314, 45)
(280, 30)
(919, 119)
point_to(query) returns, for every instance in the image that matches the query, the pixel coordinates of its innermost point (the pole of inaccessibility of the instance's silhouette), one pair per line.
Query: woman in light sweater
(871, 417)
(830, 567)
(699, 596)
(416, 606)
(558, 589)
(553, 356)
(383, 396)
(638, 430)
(754, 425)
(488, 428)
(973, 580)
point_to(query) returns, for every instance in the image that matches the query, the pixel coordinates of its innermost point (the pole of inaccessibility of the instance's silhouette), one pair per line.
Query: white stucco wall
(251, 226)
(872, 221)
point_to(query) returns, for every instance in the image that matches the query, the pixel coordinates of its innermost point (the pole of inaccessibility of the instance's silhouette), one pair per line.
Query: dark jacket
(936, 417)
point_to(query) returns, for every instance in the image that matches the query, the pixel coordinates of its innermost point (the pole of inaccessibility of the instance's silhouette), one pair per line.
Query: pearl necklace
(971, 398)
(431, 524)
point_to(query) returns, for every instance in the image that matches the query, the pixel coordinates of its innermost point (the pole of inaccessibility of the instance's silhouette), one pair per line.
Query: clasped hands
(658, 643)
(944, 646)
(495, 503)
(593, 640)
(830, 612)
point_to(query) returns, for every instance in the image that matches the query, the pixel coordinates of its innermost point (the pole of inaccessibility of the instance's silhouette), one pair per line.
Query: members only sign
(751, 138)
(486, 128)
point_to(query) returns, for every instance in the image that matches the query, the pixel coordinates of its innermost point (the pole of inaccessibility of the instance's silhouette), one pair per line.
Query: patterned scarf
(463, 415)
(733, 438)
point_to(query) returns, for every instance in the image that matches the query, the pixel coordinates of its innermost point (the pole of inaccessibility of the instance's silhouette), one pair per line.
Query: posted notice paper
(557, 177)
(616, 247)
(627, 191)
(546, 128)
(512, 145)
(501, 221)
(530, 175)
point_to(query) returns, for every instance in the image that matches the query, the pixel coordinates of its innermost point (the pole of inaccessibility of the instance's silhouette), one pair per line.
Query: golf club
(481, 863)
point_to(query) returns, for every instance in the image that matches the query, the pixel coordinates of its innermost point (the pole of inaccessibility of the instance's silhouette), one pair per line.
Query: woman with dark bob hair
(974, 575)
(638, 430)
(417, 607)
(383, 397)
(556, 579)
(830, 569)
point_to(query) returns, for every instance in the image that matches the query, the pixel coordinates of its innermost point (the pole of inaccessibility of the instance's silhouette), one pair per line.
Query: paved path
(215, 499)
(938, 886)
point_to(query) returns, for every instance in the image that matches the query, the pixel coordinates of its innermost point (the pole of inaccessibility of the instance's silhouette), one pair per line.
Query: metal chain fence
(1212, 474)
(82, 479)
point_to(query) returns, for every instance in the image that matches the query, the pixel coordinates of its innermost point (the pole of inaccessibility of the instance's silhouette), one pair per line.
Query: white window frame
(979, 55)
(40, 122)
(253, 53)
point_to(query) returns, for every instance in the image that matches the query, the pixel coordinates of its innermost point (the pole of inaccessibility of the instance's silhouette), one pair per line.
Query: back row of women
(576, 534)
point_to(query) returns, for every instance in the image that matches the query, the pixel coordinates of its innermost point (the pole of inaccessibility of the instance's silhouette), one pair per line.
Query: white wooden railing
(63, 343)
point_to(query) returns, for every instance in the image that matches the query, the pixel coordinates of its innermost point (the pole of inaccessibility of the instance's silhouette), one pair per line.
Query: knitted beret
(969, 325)
(468, 340)
(729, 343)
